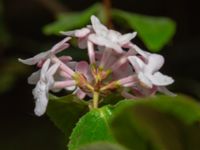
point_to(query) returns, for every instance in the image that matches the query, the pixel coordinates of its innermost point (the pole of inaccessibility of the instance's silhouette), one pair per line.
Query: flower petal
(128, 81)
(82, 43)
(99, 28)
(44, 69)
(160, 80)
(52, 70)
(82, 32)
(144, 80)
(140, 51)
(155, 62)
(34, 77)
(137, 63)
(64, 84)
(101, 41)
(124, 39)
(40, 94)
(82, 67)
(34, 60)
(91, 52)
(60, 46)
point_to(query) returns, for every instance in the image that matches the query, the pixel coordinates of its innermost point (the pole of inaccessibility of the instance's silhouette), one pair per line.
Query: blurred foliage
(10, 73)
(71, 20)
(159, 122)
(155, 32)
(102, 146)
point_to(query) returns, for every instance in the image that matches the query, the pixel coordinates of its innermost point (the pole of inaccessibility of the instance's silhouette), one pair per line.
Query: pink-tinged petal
(79, 93)
(82, 67)
(124, 39)
(137, 63)
(39, 58)
(64, 74)
(128, 81)
(71, 64)
(164, 90)
(60, 46)
(40, 63)
(34, 60)
(34, 77)
(160, 80)
(125, 70)
(63, 66)
(122, 62)
(64, 84)
(82, 32)
(119, 63)
(65, 59)
(106, 55)
(109, 58)
(155, 62)
(91, 52)
(144, 80)
(99, 28)
(82, 43)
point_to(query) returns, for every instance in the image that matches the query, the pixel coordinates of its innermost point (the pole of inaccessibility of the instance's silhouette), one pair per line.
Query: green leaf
(92, 127)
(155, 32)
(102, 146)
(161, 122)
(72, 20)
(65, 111)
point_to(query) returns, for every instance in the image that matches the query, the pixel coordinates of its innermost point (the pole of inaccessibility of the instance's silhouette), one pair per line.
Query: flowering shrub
(115, 65)
(139, 120)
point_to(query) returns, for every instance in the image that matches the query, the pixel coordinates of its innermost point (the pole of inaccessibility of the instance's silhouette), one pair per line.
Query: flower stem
(107, 10)
(95, 99)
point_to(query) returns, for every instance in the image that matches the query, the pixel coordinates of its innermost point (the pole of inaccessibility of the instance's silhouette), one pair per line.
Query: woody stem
(107, 10)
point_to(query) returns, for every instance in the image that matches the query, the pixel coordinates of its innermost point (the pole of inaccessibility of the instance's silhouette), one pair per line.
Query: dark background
(20, 129)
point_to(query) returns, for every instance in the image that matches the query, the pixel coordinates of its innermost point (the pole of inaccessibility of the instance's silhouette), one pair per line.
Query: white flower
(45, 55)
(43, 86)
(148, 74)
(108, 38)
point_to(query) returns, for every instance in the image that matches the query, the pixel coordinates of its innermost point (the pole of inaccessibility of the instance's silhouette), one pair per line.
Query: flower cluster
(115, 65)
